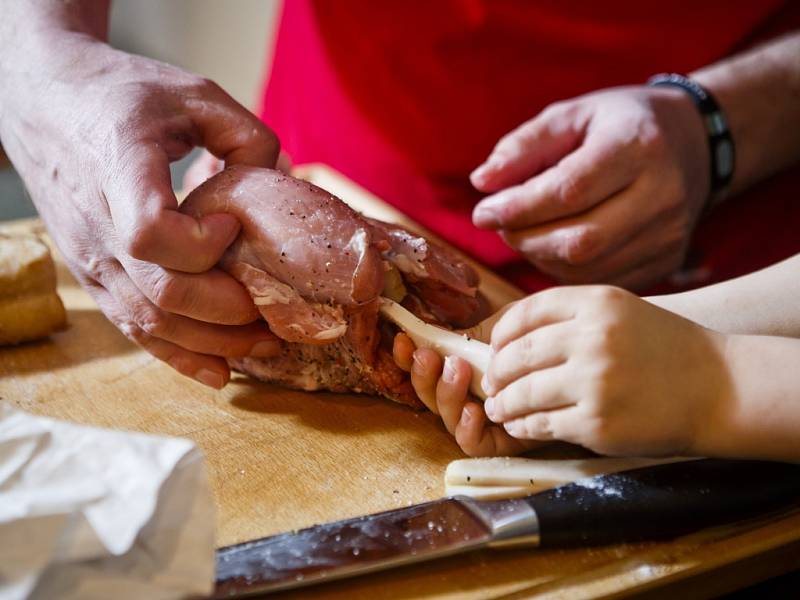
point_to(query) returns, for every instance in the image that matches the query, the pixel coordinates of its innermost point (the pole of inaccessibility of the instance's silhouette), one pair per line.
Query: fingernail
(466, 417)
(265, 349)
(485, 216)
(485, 385)
(478, 174)
(418, 365)
(449, 371)
(210, 378)
(488, 407)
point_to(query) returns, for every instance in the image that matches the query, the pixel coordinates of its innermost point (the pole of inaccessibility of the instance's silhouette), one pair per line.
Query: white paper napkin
(92, 513)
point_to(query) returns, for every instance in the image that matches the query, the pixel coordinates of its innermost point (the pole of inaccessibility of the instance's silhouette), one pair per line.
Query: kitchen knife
(650, 503)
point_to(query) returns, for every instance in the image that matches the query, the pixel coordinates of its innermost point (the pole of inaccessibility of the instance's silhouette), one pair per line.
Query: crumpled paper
(92, 513)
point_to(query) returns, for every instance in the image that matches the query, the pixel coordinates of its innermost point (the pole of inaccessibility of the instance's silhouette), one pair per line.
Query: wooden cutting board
(280, 460)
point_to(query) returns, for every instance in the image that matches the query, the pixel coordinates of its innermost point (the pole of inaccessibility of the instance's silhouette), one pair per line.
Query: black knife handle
(663, 501)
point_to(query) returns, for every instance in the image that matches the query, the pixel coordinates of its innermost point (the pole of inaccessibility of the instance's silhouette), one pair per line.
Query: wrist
(734, 424)
(718, 139)
(714, 399)
(33, 34)
(683, 126)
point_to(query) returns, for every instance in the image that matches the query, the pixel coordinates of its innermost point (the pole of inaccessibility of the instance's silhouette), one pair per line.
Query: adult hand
(443, 386)
(607, 187)
(92, 132)
(599, 367)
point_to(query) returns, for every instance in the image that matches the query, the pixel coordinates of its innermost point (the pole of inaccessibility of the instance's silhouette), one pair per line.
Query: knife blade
(649, 503)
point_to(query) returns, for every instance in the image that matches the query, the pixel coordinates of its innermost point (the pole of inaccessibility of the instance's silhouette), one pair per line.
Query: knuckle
(508, 144)
(529, 304)
(133, 332)
(572, 189)
(650, 138)
(140, 242)
(97, 267)
(602, 340)
(607, 296)
(208, 85)
(259, 134)
(554, 109)
(528, 349)
(580, 245)
(539, 425)
(169, 293)
(154, 322)
(511, 208)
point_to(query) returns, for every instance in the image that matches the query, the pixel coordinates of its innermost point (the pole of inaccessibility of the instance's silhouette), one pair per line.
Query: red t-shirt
(406, 98)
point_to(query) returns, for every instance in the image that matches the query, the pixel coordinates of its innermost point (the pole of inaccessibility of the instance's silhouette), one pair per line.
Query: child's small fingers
(545, 425)
(402, 349)
(478, 437)
(470, 429)
(425, 371)
(451, 391)
(541, 390)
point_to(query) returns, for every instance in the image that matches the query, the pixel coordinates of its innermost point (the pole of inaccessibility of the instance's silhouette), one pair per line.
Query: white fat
(407, 265)
(358, 243)
(417, 243)
(279, 293)
(331, 334)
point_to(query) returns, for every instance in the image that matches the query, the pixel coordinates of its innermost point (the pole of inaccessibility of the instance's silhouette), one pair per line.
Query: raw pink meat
(315, 269)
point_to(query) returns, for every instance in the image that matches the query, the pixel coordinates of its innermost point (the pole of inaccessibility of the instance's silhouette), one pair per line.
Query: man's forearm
(40, 41)
(759, 91)
(31, 30)
(761, 303)
(81, 16)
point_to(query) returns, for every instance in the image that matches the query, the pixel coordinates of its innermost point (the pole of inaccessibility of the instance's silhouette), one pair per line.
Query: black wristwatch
(720, 143)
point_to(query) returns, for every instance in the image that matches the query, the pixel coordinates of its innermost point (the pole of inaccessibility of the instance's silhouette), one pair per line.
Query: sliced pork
(315, 269)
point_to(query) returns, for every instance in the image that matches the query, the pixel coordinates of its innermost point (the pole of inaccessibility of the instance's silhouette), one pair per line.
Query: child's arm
(766, 302)
(760, 418)
(599, 367)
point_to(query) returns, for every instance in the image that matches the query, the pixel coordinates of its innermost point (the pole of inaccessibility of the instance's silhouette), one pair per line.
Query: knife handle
(662, 501)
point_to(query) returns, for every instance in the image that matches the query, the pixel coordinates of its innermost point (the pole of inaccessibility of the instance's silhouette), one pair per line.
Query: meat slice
(315, 269)
(442, 288)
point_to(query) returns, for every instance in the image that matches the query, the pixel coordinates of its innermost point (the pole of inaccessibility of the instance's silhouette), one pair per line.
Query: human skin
(92, 131)
(608, 187)
(759, 91)
(621, 375)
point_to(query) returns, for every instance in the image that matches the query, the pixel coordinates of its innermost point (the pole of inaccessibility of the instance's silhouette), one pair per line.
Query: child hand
(442, 385)
(599, 367)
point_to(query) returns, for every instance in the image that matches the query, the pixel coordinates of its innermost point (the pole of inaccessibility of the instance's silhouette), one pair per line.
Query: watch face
(723, 158)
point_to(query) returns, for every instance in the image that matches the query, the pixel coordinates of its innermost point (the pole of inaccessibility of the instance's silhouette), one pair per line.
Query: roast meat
(316, 268)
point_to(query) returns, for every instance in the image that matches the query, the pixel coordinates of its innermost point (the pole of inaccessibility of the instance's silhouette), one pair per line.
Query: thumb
(530, 149)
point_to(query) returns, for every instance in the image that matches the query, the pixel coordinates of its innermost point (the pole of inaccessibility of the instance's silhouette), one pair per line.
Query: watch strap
(722, 152)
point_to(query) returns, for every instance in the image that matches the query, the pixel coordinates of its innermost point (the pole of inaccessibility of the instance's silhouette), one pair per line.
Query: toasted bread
(29, 306)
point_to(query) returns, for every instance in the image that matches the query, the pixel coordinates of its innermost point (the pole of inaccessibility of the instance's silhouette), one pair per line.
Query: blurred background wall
(228, 42)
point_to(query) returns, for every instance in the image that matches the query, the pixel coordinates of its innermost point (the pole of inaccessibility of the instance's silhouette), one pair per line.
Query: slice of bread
(29, 306)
